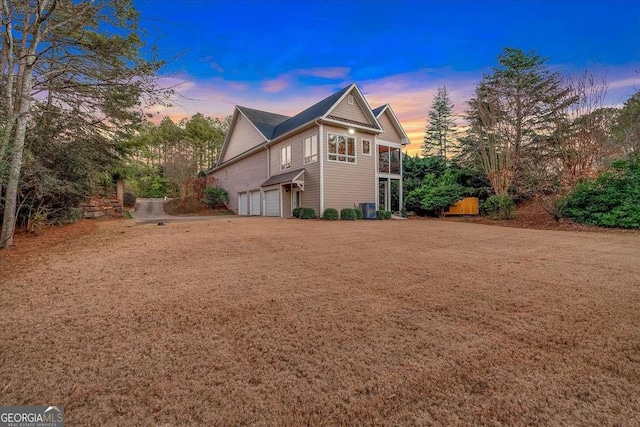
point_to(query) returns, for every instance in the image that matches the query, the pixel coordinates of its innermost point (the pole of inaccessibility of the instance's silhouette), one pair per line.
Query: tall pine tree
(514, 111)
(439, 133)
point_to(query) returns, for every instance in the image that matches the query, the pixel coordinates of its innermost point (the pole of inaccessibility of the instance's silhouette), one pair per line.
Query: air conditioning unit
(368, 210)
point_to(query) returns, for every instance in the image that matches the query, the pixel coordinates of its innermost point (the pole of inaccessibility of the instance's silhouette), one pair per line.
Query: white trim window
(341, 148)
(311, 149)
(285, 158)
(366, 147)
(350, 99)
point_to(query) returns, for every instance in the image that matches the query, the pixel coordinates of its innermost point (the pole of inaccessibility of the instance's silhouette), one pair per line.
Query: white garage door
(255, 203)
(272, 203)
(243, 204)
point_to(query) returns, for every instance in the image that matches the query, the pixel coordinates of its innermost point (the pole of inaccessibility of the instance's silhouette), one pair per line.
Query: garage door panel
(243, 204)
(255, 203)
(272, 203)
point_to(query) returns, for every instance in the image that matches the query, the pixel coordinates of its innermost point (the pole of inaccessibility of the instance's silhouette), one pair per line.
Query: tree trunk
(9, 220)
(120, 191)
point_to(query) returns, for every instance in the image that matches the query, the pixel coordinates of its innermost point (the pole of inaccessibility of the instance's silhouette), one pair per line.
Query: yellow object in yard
(466, 206)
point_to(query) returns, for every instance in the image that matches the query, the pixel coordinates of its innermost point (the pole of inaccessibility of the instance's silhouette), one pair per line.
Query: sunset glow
(235, 53)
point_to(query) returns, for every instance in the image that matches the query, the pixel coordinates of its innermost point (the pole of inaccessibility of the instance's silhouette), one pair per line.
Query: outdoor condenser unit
(368, 210)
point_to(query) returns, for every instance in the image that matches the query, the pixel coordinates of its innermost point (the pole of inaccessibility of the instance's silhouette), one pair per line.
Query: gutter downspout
(263, 200)
(268, 161)
(321, 154)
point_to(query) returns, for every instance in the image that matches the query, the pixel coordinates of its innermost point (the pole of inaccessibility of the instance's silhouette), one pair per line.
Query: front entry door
(295, 199)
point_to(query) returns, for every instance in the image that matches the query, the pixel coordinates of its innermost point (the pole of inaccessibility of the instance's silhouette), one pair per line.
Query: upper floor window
(389, 160)
(285, 158)
(366, 147)
(341, 148)
(311, 149)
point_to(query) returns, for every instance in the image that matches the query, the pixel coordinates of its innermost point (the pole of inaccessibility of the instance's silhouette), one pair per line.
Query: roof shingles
(264, 121)
(272, 125)
(282, 178)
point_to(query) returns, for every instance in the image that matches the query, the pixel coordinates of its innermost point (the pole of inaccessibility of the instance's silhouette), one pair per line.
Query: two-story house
(337, 153)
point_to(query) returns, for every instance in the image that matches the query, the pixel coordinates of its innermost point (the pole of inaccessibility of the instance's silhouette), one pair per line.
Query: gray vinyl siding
(349, 184)
(244, 175)
(243, 137)
(286, 203)
(351, 112)
(390, 133)
(310, 197)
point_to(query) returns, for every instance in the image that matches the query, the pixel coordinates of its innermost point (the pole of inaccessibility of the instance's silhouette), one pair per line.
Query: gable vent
(350, 99)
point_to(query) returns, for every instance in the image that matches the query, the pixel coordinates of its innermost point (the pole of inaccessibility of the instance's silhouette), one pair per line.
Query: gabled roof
(395, 122)
(364, 105)
(312, 113)
(264, 121)
(273, 126)
(379, 110)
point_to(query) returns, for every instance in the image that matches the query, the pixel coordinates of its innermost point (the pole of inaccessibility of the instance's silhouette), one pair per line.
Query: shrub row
(304, 213)
(347, 214)
(331, 214)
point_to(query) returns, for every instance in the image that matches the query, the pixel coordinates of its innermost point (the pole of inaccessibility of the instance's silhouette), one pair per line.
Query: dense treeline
(74, 89)
(531, 133)
(166, 155)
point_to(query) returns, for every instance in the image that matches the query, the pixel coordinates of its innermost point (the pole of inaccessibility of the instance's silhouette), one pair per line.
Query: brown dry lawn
(288, 322)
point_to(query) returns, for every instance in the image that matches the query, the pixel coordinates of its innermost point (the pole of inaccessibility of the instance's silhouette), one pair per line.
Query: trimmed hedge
(348, 214)
(296, 212)
(331, 214)
(306, 213)
(358, 213)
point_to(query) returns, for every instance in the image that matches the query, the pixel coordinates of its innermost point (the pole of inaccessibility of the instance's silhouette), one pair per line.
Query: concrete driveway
(152, 211)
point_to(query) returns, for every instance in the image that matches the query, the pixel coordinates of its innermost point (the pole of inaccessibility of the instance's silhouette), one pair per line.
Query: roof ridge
(309, 113)
(262, 111)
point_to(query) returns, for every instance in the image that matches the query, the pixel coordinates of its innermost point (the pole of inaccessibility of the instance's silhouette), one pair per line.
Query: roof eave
(367, 110)
(237, 158)
(350, 125)
(398, 125)
(292, 132)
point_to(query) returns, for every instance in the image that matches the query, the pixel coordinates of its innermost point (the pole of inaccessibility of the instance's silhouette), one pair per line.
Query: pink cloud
(326, 73)
(409, 94)
(276, 85)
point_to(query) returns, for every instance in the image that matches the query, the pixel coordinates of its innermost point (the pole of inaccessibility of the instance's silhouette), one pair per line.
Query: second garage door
(255, 203)
(272, 203)
(243, 204)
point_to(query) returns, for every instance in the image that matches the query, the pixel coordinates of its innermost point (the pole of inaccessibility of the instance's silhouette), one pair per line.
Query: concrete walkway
(152, 211)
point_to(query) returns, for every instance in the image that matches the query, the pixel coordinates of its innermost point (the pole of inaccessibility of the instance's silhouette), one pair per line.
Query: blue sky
(283, 56)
